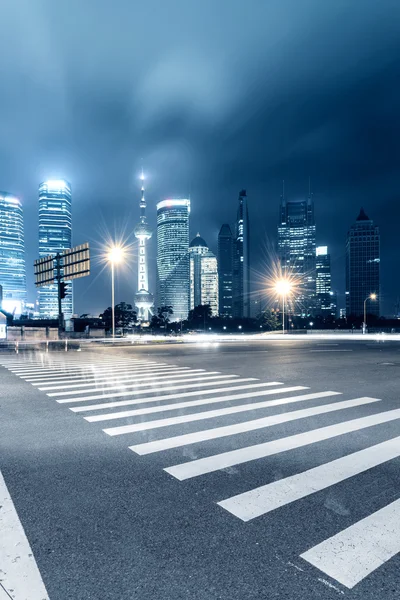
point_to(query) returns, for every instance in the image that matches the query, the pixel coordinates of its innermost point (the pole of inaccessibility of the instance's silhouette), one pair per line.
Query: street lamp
(370, 297)
(115, 255)
(283, 287)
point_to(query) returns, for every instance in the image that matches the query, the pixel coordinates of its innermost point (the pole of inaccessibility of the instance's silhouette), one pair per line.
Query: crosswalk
(161, 407)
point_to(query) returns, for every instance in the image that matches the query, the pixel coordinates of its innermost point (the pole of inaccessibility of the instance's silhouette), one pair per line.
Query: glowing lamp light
(373, 297)
(116, 254)
(283, 287)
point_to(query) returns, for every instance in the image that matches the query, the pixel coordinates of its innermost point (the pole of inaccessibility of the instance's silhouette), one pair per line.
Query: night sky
(214, 96)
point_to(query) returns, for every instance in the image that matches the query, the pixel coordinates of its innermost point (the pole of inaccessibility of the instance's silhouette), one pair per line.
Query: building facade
(143, 299)
(296, 251)
(203, 275)
(241, 260)
(173, 256)
(323, 282)
(362, 266)
(55, 235)
(12, 254)
(225, 272)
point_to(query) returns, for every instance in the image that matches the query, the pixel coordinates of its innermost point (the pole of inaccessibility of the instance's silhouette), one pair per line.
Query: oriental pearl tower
(143, 299)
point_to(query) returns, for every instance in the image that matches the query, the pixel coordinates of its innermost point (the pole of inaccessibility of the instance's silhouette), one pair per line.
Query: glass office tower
(55, 233)
(362, 266)
(241, 260)
(296, 249)
(173, 256)
(203, 275)
(323, 282)
(12, 254)
(225, 271)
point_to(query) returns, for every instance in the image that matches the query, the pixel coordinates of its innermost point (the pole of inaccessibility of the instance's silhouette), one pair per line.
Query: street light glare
(116, 254)
(373, 296)
(283, 287)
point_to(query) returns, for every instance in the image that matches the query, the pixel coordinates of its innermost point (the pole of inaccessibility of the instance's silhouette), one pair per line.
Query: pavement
(233, 471)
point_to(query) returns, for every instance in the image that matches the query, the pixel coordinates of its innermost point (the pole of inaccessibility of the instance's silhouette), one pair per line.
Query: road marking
(352, 554)
(218, 432)
(124, 380)
(209, 414)
(119, 371)
(232, 458)
(329, 350)
(48, 364)
(178, 405)
(149, 391)
(19, 573)
(149, 384)
(266, 498)
(41, 372)
(172, 396)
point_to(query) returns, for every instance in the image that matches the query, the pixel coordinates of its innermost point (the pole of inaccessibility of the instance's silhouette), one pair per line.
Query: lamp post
(370, 297)
(283, 287)
(115, 255)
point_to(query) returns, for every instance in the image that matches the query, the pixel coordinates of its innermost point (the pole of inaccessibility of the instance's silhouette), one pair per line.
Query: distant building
(241, 260)
(55, 235)
(362, 266)
(143, 299)
(203, 275)
(296, 250)
(225, 271)
(12, 254)
(334, 296)
(323, 281)
(342, 313)
(173, 256)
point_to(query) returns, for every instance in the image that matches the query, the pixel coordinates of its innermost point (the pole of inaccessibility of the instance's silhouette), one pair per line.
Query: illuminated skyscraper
(12, 254)
(362, 266)
(296, 249)
(324, 295)
(241, 260)
(173, 256)
(54, 236)
(225, 271)
(143, 299)
(203, 275)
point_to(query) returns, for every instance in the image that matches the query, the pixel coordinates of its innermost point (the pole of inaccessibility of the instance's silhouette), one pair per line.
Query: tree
(125, 316)
(269, 320)
(162, 318)
(200, 315)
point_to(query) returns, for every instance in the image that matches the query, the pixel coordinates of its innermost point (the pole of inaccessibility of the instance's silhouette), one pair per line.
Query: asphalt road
(105, 520)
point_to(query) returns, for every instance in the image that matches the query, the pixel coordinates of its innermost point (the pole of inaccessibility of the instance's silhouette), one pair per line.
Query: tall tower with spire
(143, 298)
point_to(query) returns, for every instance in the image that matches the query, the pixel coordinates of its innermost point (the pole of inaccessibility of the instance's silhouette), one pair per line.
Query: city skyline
(255, 290)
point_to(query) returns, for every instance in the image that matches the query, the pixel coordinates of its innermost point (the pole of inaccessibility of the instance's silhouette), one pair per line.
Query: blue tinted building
(12, 254)
(173, 256)
(55, 233)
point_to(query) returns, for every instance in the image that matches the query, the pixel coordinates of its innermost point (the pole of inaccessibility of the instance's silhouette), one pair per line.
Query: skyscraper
(143, 298)
(225, 271)
(173, 256)
(12, 254)
(241, 260)
(203, 275)
(323, 281)
(296, 249)
(55, 225)
(362, 266)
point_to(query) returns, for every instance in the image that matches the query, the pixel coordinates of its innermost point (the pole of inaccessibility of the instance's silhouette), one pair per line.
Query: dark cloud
(214, 96)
